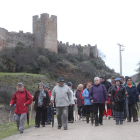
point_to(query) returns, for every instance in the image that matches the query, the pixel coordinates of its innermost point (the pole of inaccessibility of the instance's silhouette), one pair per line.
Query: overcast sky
(101, 22)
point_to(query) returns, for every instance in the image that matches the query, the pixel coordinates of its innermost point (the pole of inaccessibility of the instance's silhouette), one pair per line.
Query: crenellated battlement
(75, 49)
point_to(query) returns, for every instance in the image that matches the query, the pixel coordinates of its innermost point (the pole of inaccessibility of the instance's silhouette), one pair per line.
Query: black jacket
(46, 100)
(106, 84)
(120, 95)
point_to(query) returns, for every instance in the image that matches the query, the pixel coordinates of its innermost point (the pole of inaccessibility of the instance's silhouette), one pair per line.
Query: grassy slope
(29, 80)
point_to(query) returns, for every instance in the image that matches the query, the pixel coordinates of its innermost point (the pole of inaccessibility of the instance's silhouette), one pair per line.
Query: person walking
(99, 97)
(63, 98)
(42, 101)
(79, 100)
(22, 98)
(132, 99)
(70, 112)
(118, 99)
(87, 102)
(107, 86)
(49, 118)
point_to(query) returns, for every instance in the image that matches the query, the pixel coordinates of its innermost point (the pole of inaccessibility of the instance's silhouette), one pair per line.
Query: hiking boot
(101, 123)
(37, 126)
(128, 120)
(21, 132)
(43, 125)
(65, 128)
(117, 123)
(121, 122)
(96, 124)
(59, 127)
(69, 122)
(72, 121)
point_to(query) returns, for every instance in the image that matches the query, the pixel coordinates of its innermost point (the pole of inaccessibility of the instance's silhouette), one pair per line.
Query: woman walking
(87, 102)
(118, 99)
(98, 96)
(79, 100)
(42, 101)
(132, 99)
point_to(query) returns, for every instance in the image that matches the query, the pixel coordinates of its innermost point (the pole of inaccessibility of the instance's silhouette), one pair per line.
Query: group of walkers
(102, 99)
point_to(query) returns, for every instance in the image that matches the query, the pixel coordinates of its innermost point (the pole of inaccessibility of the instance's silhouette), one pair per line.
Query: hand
(113, 103)
(70, 104)
(10, 104)
(92, 101)
(109, 94)
(106, 102)
(52, 101)
(139, 96)
(126, 93)
(47, 106)
(75, 99)
(24, 104)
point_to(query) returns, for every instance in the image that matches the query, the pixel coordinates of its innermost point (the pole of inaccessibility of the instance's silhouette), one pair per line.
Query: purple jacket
(79, 100)
(98, 94)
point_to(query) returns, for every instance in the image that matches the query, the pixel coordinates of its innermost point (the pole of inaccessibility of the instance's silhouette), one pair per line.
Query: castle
(44, 35)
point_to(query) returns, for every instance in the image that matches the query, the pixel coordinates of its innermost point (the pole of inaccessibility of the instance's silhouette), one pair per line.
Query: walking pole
(31, 114)
(9, 117)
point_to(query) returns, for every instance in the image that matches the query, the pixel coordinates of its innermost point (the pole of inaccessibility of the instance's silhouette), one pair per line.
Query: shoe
(97, 124)
(69, 121)
(121, 122)
(21, 132)
(72, 121)
(59, 127)
(43, 125)
(104, 117)
(101, 123)
(117, 123)
(65, 128)
(128, 120)
(79, 117)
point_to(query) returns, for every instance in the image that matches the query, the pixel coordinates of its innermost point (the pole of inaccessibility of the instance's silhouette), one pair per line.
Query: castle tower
(3, 37)
(45, 31)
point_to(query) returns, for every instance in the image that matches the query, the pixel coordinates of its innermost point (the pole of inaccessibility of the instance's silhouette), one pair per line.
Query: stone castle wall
(44, 35)
(75, 49)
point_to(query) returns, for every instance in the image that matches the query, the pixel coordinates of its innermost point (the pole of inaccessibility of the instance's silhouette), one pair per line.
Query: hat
(20, 84)
(60, 79)
(121, 77)
(118, 79)
(41, 84)
(69, 84)
(126, 77)
(113, 77)
(47, 86)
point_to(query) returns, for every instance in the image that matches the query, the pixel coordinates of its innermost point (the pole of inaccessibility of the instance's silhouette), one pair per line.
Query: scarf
(40, 97)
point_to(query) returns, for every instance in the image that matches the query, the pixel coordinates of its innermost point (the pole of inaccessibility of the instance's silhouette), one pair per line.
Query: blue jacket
(86, 97)
(133, 94)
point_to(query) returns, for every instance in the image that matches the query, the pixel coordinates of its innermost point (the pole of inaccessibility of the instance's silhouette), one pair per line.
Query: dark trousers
(40, 112)
(81, 110)
(70, 113)
(119, 111)
(100, 107)
(132, 110)
(88, 109)
(49, 117)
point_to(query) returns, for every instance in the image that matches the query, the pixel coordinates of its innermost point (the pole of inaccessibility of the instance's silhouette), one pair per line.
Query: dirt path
(80, 130)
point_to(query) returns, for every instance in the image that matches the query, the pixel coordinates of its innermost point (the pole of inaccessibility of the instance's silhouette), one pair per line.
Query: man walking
(22, 98)
(63, 98)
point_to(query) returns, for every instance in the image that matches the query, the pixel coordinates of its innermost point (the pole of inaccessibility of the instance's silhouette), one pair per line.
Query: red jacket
(21, 98)
(82, 97)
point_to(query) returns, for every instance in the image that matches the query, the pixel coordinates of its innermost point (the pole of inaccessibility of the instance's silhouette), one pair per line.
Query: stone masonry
(44, 35)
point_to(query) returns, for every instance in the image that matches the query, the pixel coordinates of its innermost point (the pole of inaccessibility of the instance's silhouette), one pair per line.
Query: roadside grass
(12, 129)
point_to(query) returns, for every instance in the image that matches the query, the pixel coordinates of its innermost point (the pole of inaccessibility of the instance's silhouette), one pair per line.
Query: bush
(62, 49)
